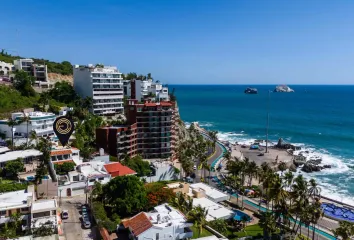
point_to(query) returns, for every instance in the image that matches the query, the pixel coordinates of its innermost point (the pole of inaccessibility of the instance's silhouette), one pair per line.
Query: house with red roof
(164, 222)
(117, 169)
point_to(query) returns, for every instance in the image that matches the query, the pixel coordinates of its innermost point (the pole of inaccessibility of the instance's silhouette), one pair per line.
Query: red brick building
(150, 132)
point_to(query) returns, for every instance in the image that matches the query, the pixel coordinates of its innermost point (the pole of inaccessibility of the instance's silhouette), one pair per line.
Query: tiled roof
(138, 224)
(60, 152)
(62, 161)
(117, 169)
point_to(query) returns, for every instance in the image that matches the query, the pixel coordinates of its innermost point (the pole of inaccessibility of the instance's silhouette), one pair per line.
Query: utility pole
(268, 105)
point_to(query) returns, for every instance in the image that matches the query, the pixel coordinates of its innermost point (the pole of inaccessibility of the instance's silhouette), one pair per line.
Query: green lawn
(205, 233)
(251, 230)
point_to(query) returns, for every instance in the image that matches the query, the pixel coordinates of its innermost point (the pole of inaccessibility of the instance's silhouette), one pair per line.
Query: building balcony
(108, 97)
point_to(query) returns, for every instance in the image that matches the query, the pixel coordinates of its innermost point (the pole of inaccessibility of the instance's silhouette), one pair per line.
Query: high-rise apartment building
(150, 131)
(103, 84)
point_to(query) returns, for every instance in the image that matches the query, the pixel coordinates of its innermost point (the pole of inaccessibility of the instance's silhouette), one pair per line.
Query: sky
(191, 41)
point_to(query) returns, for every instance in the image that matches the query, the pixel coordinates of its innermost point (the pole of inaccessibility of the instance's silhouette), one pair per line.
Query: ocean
(318, 118)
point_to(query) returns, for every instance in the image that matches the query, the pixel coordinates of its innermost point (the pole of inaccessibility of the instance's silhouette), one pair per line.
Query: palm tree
(251, 170)
(26, 119)
(33, 136)
(316, 214)
(345, 230)
(227, 156)
(268, 223)
(282, 167)
(214, 137)
(44, 100)
(12, 123)
(314, 191)
(198, 217)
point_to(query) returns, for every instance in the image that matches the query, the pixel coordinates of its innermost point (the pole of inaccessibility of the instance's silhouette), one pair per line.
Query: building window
(54, 212)
(92, 180)
(3, 213)
(101, 178)
(157, 236)
(25, 209)
(41, 214)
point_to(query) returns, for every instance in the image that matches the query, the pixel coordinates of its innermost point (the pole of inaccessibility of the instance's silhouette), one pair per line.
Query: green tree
(63, 92)
(23, 83)
(198, 217)
(127, 195)
(44, 100)
(219, 225)
(140, 166)
(214, 137)
(64, 168)
(12, 168)
(268, 223)
(345, 230)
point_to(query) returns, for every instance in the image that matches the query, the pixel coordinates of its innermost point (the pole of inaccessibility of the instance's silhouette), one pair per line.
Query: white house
(60, 155)
(5, 68)
(103, 84)
(40, 122)
(210, 192)
(15, 202)
(215, 210)
(139, 89)
(83, 178)
(164, 223)
(44, 212)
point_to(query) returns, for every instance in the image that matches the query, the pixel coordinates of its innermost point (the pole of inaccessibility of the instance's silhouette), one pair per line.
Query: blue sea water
(319, 118)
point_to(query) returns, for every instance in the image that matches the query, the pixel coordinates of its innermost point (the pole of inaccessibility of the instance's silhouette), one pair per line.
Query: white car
(65, 214)
(195, 167)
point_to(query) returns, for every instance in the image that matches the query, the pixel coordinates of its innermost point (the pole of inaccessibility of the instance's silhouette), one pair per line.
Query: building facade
(5, 68)
(40, 122)
(150, 132)
(103, 84)
(142, 89)
(38, 71)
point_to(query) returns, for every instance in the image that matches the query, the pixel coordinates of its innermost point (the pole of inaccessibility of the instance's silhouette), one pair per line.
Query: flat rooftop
(164, 215)
(14, 199)
(13, 155)
(44, 205)
(211, 192)
(215, 210)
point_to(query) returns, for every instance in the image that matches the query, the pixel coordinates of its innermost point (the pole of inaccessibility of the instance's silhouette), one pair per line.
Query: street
(72, 226)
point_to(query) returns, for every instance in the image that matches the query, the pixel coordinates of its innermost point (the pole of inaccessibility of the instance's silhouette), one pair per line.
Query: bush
(64, 168)
(101, 217)
(10, 187)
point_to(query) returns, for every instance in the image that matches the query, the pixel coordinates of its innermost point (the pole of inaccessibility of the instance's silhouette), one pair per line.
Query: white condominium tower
(103, 84)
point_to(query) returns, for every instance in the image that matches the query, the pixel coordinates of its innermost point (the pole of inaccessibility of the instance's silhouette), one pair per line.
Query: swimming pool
(341, 213)
(240, 215)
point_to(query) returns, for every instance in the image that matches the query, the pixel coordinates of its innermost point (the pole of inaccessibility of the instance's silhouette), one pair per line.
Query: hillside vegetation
(64, 68)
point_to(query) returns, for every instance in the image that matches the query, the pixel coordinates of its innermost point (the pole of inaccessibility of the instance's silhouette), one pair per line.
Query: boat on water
(251, 90)
(283, 88)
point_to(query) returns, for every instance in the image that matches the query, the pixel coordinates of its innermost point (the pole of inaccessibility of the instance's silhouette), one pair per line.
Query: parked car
(86, 223)
(65, 214)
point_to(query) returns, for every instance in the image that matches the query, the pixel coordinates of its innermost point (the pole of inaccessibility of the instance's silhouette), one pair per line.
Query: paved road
(324, 223)
(72, 226)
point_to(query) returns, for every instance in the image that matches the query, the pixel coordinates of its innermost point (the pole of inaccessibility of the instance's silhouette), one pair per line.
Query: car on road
(65, 214)
(195, 167)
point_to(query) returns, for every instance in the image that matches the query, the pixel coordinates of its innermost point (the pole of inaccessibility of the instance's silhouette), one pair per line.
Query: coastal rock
(315, 161)
(283, 88)
(292, 168)
(308, 168)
